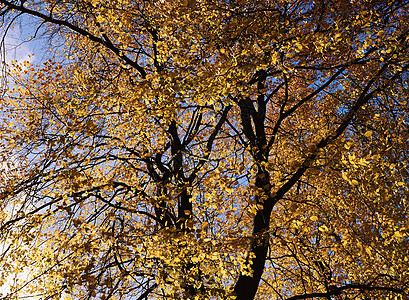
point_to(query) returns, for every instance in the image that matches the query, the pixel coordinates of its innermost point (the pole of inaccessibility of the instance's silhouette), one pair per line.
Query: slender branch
(210, 142)
(338, 290)
(105, 42)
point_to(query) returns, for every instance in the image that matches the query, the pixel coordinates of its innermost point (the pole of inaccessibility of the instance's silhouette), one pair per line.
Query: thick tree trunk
(246, 286)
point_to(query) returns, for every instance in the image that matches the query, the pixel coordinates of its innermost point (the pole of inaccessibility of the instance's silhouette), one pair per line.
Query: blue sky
(18, 44)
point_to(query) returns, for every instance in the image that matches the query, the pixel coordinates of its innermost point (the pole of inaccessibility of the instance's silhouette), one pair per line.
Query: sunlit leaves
(182, 149)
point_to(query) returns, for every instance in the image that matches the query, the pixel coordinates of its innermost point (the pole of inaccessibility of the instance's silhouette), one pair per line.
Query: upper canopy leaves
(209, 150)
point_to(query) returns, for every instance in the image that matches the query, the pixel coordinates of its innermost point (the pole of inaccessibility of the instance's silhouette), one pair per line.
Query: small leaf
(397, 234)
(368, 250)
(323, 228)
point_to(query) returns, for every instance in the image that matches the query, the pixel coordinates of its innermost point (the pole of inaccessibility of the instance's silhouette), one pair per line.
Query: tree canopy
(205, 149)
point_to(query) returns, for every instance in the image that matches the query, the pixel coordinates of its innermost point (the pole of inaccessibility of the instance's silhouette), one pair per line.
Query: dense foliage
(208, 150)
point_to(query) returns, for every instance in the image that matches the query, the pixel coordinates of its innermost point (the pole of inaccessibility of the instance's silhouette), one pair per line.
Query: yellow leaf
(323, 228)
(368, 250)
(397, 234)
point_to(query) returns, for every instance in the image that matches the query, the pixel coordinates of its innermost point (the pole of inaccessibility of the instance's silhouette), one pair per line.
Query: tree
(209, 150)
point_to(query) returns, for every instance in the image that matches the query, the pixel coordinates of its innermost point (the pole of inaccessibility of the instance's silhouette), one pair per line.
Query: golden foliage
(209, 150)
